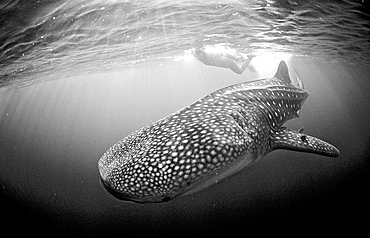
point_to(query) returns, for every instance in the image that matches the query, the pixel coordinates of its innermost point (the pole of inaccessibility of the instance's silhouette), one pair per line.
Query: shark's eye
(304, 138)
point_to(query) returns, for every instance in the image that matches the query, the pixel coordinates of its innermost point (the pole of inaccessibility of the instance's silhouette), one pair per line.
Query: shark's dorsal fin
(282, 72)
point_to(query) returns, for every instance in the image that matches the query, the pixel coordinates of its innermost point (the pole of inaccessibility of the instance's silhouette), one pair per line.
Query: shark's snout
(105, 180)
(105, 173)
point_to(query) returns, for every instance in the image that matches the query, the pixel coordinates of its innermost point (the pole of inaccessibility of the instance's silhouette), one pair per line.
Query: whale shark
(214, 138)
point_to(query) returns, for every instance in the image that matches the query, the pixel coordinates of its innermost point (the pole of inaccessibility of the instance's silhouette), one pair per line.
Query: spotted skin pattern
(208, 141)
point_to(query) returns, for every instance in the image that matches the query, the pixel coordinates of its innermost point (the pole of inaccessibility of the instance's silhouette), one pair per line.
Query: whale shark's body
(208, 141)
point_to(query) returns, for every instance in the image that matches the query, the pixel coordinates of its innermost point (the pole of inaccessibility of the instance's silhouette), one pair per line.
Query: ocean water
(77, 76)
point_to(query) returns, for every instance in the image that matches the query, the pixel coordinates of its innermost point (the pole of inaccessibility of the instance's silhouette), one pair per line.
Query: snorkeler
(221, 56)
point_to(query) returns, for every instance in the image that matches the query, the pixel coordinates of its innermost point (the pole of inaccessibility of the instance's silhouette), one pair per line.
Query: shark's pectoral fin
(288, 139)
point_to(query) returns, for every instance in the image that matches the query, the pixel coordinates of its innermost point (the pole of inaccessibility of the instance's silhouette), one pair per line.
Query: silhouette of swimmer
(223, 57)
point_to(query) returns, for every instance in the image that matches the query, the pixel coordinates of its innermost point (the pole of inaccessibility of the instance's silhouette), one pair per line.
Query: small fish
(208, 141)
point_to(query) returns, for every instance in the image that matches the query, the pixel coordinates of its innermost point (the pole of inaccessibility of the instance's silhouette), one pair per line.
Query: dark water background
(77, 76)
